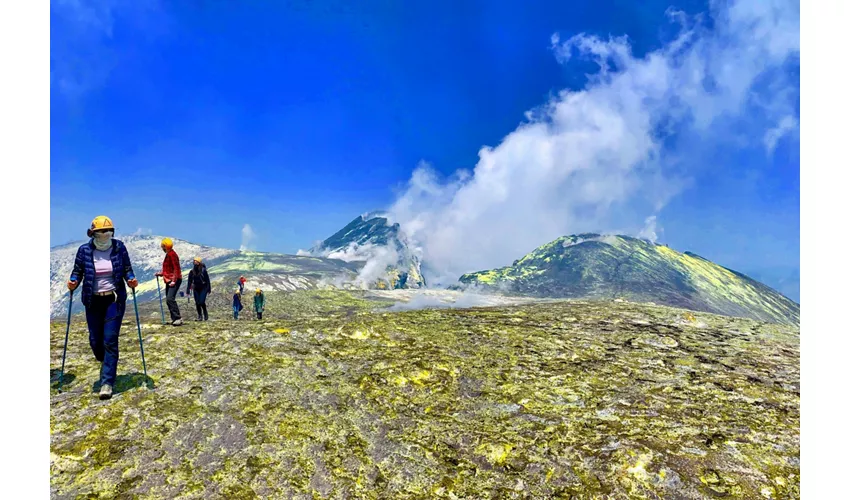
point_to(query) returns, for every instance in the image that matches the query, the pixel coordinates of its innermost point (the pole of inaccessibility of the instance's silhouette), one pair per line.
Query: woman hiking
(199, 280)
(103, 265)
(171, 275)
(237, 303)
(259, 303)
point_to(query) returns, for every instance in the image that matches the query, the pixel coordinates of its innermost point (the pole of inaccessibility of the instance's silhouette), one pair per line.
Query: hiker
(237, 303)
(241, 284)
(171, 275)
(199, 280)
(103, 265)
(259, 303)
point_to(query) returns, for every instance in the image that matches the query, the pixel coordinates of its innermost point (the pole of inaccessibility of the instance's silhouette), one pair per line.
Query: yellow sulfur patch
(639, 469)
(497, 453)
(359, 335)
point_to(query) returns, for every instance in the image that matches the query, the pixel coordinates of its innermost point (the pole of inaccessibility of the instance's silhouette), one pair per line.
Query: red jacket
(171, 267)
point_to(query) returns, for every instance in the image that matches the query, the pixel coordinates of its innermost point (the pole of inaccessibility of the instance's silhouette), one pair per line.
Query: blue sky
(192, 119)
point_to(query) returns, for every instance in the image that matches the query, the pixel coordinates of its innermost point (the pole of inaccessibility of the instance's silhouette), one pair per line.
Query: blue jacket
(84, 270)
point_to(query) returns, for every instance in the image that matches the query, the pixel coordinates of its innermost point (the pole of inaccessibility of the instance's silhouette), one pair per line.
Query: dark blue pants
(104, 316)
(201, 303)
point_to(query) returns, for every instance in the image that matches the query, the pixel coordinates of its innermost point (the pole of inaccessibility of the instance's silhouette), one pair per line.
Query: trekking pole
(161, 310)
(67, 330)
(139, 328)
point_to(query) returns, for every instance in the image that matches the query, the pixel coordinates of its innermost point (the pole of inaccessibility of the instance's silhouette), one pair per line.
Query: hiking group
(259, 300)
(102, 266)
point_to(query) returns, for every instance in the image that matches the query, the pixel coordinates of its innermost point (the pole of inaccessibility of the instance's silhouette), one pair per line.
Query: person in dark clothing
(237, 303)
(103, 265)
(172, 276)
(199, 282)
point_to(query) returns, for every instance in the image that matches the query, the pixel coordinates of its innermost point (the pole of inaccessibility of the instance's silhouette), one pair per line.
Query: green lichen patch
(546, 400)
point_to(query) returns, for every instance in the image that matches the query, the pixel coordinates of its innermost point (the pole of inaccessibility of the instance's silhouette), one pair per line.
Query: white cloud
(376, 266)
(248, 237)
(649, 229)
(627, 142)
(353, 252)
(787, 125)
(376, 257)
(143, 231)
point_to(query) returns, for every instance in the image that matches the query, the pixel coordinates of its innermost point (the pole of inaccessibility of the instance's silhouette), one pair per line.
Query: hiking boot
(199, 318)
(177, 322)
(105, 391)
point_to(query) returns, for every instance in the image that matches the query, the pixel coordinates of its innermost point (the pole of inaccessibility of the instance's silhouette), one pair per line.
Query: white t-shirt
(103, 280)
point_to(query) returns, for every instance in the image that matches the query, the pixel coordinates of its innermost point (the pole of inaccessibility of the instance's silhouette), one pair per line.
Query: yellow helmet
(167, 243)
(259, 291)
(100, 222)
(197, 259)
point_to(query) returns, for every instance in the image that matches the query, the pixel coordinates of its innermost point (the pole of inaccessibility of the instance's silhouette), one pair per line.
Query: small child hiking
(259, 303)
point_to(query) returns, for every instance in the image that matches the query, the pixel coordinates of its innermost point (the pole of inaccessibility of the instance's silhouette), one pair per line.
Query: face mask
(102, 241)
